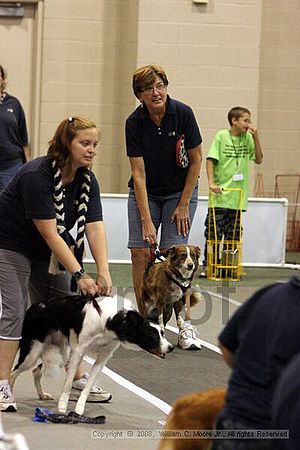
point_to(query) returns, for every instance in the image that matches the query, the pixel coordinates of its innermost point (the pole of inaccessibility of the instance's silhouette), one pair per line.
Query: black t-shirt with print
(157, 145)
(30, 196)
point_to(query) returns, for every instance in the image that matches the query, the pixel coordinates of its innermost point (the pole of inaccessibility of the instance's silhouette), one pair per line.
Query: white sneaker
(187, 339)
(7, 400)
(97, 395)
(203, 273)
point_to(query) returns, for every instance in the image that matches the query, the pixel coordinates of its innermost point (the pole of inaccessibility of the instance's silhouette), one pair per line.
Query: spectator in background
(14, 148)
(227, 166)
(163, 144)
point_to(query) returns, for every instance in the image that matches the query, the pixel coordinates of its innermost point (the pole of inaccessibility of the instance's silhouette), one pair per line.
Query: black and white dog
(77, 326)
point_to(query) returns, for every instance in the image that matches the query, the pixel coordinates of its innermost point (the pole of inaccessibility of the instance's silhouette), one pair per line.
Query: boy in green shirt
(227, 166)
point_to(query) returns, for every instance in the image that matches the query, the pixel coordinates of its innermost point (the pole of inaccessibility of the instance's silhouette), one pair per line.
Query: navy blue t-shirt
(13, 132)
(157, 145)
(286, 406)
(263, 334)
(30, 196)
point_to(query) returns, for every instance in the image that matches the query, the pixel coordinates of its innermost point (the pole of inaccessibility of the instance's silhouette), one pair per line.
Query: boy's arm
(258, 150)
(210, 176)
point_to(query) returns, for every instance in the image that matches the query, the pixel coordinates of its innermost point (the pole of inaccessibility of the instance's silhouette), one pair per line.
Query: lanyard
(236, 149)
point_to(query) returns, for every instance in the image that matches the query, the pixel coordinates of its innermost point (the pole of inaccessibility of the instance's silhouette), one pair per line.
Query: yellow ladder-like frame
(224, 257)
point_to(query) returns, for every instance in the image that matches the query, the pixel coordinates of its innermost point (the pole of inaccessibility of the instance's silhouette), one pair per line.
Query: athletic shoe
(203, 273)
(7, 400)
(187, 339)
(97, 395)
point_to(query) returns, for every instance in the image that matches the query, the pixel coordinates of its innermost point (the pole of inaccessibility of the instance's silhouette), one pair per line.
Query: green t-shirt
(231, 155)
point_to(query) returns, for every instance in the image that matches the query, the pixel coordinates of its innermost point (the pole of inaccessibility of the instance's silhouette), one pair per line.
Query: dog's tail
(196, 297)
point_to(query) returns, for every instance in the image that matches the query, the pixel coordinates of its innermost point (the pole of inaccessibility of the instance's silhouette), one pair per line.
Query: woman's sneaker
(203, 273)
(7, 400)
(97, 395)
(188, 340)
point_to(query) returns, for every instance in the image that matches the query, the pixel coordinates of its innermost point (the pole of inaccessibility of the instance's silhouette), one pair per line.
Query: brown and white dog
(191, 414)
(167, 284)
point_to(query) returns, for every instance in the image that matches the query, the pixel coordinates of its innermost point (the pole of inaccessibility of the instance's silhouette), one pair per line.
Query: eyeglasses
(159, 87)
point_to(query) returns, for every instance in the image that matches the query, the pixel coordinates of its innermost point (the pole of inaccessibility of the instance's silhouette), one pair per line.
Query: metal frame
(224, 257)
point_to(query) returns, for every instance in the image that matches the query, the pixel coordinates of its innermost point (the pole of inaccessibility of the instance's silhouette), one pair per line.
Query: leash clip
(156, 250)
(157, 253)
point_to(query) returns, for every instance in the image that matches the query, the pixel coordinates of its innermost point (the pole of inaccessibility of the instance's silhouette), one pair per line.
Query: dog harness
(44, 414)
(183, 286)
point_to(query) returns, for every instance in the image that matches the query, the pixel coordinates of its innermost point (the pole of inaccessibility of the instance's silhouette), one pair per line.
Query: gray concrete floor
(128, 411)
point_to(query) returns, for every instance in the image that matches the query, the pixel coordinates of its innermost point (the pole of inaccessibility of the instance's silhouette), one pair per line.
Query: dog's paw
(80, 405)
(46, 396)
(79, 409)
(63, 403)
(62, 408)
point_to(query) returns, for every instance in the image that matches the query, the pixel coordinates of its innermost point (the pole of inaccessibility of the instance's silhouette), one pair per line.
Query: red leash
(155, 253)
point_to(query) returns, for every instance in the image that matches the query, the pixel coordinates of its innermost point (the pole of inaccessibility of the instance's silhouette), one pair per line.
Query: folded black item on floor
(43, 414)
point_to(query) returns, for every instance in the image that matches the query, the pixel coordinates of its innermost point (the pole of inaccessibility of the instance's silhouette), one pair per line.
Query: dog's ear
(170, 251)
(153, 315)
(134, 318)
(198, 251)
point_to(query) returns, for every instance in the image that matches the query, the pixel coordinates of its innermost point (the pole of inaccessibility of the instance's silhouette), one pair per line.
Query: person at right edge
(227, 166)
(258, 343)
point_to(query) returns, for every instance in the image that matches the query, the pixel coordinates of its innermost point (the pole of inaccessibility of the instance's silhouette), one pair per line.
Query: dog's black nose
(190, 266)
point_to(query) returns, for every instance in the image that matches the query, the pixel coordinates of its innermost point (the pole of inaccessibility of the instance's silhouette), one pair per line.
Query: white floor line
(155, 401)
(230, 300)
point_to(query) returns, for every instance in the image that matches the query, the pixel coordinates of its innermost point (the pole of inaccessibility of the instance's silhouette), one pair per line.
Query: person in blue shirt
(258, 342)
(163, 144)
(14, 147)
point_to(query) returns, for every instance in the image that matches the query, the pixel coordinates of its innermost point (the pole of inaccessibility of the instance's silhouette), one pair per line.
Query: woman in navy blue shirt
(163, 144)
(14, 148)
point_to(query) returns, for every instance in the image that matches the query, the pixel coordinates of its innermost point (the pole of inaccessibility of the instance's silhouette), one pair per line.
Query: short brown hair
(59, 146)
(145, 77)
(236, 113)
(3, 81)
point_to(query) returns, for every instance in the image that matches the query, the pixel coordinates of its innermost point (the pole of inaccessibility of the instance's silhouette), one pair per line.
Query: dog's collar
(184, 285)
(96, 306)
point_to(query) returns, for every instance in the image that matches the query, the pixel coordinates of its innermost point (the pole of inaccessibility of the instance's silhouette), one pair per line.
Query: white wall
(264, 227)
